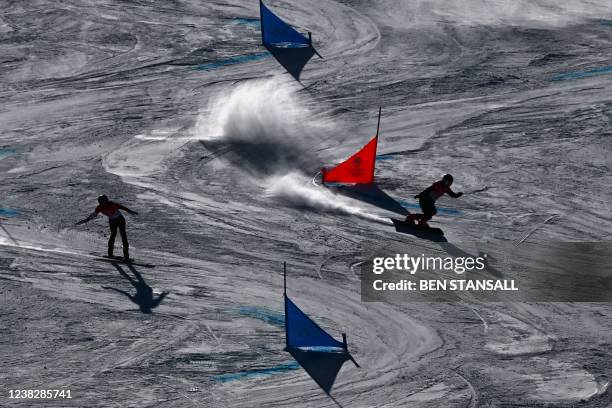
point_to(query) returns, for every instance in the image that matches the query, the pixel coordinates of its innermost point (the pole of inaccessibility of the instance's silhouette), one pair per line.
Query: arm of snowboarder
(128, 210)
(453, 194)
(89, 218)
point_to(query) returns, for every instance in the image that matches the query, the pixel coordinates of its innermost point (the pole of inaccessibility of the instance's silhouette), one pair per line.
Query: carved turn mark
(474, 397)
(484, 322)
(527, 235)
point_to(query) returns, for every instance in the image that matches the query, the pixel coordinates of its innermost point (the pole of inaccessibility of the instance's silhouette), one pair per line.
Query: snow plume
(294, 190)
(266, 130)
(262, 127)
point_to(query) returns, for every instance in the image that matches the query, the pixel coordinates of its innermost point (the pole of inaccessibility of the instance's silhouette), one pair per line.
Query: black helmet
(102, 199)
(448, 178)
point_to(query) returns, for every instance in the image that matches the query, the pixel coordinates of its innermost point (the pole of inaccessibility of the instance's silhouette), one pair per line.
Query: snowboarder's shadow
(144, 296)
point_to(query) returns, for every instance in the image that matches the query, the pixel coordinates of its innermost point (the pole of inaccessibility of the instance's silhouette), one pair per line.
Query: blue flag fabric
(301, 331)
(276, 33)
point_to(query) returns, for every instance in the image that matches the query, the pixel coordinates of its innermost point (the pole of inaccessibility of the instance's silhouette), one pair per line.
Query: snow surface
(170, 108)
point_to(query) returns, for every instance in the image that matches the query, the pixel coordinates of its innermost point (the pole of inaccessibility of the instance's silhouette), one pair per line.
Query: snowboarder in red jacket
(427, 200)
(115, 220)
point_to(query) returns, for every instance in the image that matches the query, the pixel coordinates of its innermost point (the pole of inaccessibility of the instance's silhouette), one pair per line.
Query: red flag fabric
(358, 169)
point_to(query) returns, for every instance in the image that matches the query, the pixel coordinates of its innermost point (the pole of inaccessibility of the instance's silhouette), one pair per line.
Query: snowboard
(122, 260)
(410, 228)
